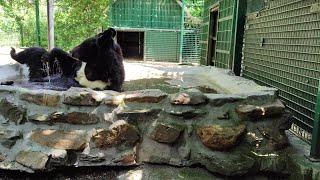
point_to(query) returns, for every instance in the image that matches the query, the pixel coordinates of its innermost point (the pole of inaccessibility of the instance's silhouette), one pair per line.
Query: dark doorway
(213, 29)
(132, 44)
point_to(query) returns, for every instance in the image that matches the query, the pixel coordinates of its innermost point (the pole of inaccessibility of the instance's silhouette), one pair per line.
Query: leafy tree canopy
(75, 20)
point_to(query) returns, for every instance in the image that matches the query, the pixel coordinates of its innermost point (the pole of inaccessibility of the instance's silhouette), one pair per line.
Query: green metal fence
(225, 48)
(157, 14)
(162, 46)
(315, 145)
(191, 46)
(163, 24)
(281, 49)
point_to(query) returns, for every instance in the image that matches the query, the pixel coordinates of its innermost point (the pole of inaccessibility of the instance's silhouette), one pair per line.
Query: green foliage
(195, 7)
(76, 20)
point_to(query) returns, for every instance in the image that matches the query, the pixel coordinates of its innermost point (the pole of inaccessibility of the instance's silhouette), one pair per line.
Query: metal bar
(50, 12)
(36, 2)
(301, 7)
(282, 44)
(310, 94)
(315, 143)
(283, 5)
(148, 29)
(270, 67)
(280, 57)
(288, 24)
(269, 32)
(298, 67)
(298, 52)
(226, 18)
(309, 37)
(181, 32)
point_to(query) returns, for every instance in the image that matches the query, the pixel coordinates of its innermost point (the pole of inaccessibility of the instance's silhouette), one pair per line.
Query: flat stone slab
(221, 99)
(144, 96)
(2, 157)
(217, 137)
(33, 160)
(187, 113)
(12, 112)
(58, 139)
(165, 133)
(8, 138)
(42, 98)
(136, 112)
(268, 110)
(119, 133)
(83, 118)
(82, 97)
(39, 118)
(189, 97)
(74, 118)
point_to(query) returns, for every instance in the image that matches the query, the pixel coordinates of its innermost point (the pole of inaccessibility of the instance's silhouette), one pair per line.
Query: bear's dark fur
(98, 59)
(102, 57)
(33, 58)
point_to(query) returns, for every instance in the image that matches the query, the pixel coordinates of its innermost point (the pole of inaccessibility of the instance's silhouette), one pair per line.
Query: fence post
(315, 143)
(50, 12)
(36, 2)
(181, 32)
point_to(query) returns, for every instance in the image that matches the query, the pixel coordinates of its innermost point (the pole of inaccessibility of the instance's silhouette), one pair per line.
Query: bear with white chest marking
(97, 63)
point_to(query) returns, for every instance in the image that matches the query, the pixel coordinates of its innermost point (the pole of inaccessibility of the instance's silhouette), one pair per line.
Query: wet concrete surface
(144, 172)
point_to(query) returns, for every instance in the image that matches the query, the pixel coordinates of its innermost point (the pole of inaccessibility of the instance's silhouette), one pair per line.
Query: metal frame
(239, 24)
(315, 143)
(214, 7)
(234, 34)
(181, 31)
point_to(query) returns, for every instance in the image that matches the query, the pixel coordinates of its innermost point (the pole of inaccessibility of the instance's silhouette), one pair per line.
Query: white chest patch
(83, 81)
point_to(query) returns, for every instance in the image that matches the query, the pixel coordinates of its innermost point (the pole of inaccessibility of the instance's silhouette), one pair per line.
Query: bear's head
(97, 52)
(88, 50)
(106, 38)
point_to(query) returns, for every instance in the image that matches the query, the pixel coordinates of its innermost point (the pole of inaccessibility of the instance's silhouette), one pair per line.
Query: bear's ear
(113, 32)
(106, 36)
(110, 33)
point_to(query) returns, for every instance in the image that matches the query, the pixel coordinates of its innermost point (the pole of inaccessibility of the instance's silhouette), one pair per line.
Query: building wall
(226, 32)
(282, 49)
(157, 14)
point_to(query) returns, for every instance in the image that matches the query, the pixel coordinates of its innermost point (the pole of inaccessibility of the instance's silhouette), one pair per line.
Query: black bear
(33, 57)
(96, 63)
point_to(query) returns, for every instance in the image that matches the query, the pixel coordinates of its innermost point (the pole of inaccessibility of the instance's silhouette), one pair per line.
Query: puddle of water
(59, 83)
(153, 83)
(56, 83)
(162, 84)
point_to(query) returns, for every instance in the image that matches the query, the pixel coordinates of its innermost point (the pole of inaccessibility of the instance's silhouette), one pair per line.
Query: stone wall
(228, 134)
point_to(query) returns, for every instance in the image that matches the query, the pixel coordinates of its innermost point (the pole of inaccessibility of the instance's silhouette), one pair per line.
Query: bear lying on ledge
(96, 63)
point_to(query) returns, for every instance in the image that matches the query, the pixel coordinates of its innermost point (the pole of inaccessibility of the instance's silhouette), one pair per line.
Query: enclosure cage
(154, 30)
(221, 37)
(278, 42)
(281, 49)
